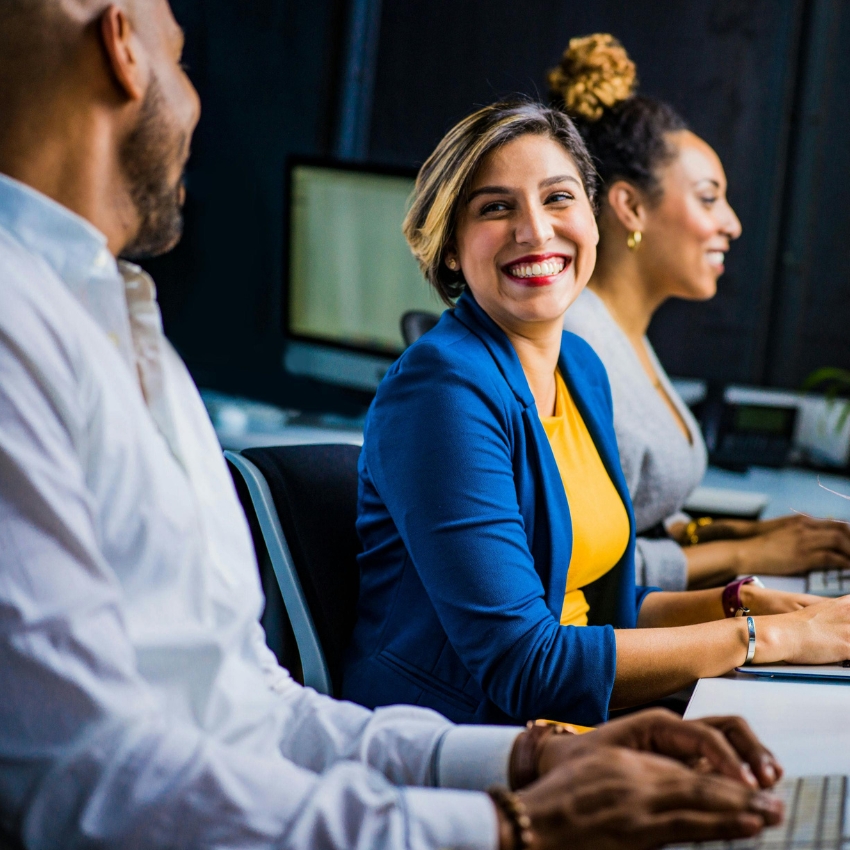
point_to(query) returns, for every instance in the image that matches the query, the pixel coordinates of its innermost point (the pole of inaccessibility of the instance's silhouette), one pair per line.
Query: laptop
(798, 671)
(817, 817)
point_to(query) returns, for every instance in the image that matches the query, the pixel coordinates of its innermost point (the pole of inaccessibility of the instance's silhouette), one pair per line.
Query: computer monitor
(348, 272)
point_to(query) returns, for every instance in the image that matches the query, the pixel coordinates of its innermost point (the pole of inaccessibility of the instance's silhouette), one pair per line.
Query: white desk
(288, 435)
(242, 423)
(789, 490)
(805, 724)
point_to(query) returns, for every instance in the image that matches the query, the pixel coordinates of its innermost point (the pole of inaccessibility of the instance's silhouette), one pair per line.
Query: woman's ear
(628, 204)
(450, 257)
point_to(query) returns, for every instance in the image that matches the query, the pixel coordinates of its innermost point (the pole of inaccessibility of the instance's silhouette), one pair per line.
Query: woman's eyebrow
(560, 178)
(707, 180)
(488, 190)
(504, 190)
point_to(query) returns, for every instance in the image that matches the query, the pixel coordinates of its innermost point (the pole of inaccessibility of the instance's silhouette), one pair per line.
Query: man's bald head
(96, 111)
(35, 40)
(41, 44)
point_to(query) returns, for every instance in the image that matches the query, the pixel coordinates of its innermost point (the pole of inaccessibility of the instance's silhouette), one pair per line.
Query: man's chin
(154, 241)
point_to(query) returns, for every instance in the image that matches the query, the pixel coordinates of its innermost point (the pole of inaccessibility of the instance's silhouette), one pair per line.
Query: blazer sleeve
(439, 450)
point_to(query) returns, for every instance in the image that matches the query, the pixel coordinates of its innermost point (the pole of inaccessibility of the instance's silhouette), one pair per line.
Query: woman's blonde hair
(443, 181)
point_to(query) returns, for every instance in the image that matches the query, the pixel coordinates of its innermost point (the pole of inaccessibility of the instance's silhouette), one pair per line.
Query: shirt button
(101, 259)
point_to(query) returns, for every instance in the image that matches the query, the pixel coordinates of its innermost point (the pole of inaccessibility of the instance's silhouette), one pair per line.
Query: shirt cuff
(475, 757)
(462, 820)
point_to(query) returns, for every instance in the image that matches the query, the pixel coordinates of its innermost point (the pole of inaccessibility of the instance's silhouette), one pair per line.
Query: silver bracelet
(751, 645)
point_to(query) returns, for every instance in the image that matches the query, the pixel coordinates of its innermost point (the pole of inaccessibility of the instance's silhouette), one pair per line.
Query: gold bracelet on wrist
(693, 527)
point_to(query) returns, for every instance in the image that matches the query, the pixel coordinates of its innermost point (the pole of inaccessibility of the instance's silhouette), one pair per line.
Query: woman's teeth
(716, 258)
(545, 269)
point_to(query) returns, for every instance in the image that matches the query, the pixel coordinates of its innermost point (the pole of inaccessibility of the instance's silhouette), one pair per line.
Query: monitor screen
(351, 275)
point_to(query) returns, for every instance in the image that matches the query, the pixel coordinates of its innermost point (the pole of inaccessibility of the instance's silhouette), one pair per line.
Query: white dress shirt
(139, 705)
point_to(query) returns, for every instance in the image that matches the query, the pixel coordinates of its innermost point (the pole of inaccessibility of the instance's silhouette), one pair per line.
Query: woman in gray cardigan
(665, 226)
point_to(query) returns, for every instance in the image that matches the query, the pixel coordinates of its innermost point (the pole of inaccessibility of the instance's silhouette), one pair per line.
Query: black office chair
(414, 323)
(304, 503)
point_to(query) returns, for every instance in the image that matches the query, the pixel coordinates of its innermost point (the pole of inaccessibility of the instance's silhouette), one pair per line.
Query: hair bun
(594, 74)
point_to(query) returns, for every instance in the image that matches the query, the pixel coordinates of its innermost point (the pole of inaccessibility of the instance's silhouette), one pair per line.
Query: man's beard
(146, 157)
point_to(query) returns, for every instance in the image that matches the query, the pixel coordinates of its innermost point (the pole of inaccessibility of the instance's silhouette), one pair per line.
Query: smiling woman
(497, 573)
(666, 226)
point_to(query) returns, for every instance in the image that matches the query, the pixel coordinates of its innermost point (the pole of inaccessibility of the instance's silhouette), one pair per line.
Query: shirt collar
(65, 240)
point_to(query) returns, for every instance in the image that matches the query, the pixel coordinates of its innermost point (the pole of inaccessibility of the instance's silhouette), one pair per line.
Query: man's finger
(761, 760)
(685, 825)
(691, 740)
(704, 792)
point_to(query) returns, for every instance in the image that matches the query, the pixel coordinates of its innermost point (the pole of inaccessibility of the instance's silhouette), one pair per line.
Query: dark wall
(727, 65)
(812, 315)
(271, 76)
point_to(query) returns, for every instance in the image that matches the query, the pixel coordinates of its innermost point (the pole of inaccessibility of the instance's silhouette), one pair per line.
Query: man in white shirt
(139, 705)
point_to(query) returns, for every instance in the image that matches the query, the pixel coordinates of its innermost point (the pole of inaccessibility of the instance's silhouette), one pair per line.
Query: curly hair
(627, 134)
(444, 179)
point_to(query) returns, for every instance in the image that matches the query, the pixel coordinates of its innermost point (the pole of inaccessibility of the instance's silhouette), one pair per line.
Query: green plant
(833, 382)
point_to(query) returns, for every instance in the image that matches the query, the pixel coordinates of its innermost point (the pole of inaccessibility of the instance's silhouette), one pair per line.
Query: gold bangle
(693, 527)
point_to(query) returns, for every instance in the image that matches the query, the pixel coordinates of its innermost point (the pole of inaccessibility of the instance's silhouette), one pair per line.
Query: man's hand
(613, 798)
(723, 745)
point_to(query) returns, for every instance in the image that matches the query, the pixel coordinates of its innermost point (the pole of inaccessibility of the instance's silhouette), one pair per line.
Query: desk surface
(805, 724)
(789, 489)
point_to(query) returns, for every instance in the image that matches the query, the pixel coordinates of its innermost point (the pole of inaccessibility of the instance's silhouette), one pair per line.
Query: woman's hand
(725, 745)
(612, 798)
(762, 600)
(795, 546)
(816, 634)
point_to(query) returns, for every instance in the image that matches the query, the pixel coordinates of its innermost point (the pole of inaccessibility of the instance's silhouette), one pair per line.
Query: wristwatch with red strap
(732, 605)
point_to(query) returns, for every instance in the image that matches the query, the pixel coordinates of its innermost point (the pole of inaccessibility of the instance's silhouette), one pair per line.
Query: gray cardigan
(660, 465)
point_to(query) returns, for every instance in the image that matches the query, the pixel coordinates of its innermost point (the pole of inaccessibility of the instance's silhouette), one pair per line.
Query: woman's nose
(732, 224)
(534, 227)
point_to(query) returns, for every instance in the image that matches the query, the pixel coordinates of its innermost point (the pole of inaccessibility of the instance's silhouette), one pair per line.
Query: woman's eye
(494, 207)
(709, 201)
(560, 198)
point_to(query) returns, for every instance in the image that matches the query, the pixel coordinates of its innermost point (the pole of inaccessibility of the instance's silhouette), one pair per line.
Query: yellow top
(599, 518)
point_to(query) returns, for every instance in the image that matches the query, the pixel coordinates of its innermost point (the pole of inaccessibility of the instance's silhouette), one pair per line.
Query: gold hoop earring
(634, 240)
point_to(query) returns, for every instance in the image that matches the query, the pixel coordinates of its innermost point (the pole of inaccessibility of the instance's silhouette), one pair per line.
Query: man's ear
(123, 52)
(628, 204)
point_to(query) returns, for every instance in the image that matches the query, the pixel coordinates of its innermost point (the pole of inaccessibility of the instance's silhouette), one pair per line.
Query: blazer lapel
(497, 343)
(601, 432)
(551, 520)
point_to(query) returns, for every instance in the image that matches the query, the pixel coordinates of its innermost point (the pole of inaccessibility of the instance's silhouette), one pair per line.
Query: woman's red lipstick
(523, 271)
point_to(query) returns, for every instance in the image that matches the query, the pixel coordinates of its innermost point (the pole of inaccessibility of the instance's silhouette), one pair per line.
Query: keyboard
(828, 582)
(817, 817)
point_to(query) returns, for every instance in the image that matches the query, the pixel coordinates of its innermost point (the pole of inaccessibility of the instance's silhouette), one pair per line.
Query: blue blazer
(467, 538)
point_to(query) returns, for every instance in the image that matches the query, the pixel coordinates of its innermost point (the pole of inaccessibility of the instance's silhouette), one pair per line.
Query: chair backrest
(314, 489)
(414, 323)
(276, 621)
